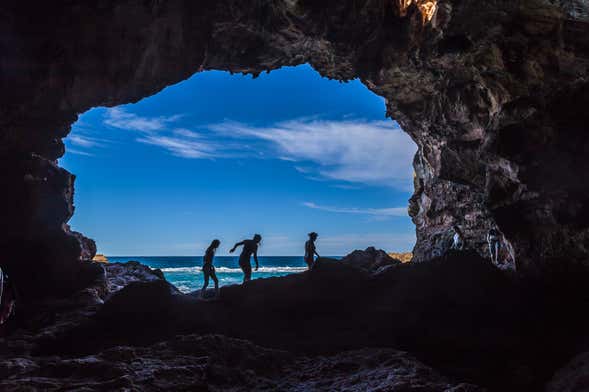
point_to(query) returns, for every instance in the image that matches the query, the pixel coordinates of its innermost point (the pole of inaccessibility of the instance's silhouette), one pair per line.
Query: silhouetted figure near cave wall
(249, 247)
(7, 298)
(311, 250)
(457, 239)
(209, 269)
(494, 244)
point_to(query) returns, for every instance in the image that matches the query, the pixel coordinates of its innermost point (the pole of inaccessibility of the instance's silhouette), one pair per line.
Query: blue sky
(226, 156)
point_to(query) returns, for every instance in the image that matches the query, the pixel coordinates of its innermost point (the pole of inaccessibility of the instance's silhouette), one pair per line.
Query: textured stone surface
(371, 260)
(217, 363)
(493, 93)
(189, 361)
(458, 314)
(574, 376)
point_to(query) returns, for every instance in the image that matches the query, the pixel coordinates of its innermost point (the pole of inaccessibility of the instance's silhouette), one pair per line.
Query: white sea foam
(227, 270)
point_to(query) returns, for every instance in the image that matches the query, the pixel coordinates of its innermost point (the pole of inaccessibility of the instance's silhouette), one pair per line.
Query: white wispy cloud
(351, 151)
(83, 141)
(369, 152)
(181, 147)
(123, 119)
(187, 133)
(78, 152)
(380, 212)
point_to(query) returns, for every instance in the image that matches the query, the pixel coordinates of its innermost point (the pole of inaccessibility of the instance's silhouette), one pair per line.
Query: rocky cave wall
(494, 94)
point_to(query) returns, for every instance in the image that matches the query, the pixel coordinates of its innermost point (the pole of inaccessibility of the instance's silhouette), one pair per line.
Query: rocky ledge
(494, 94)
(458, 314)
(218, 363)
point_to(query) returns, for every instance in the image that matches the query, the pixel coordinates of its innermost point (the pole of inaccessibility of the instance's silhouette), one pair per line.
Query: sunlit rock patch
(426, 7)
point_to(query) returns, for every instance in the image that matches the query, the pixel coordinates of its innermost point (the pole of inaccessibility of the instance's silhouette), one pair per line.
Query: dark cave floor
(337, 327)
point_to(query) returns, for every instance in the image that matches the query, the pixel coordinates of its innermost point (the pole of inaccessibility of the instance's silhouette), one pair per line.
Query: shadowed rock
(217, 363)
(458, 313)
(494, 94)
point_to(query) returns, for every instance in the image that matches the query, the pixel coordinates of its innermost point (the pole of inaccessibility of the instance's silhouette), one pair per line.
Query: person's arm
(256, 258)
(313, 249)
(235, 246)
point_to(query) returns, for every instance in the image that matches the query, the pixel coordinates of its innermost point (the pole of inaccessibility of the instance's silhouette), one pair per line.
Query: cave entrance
(226, 156)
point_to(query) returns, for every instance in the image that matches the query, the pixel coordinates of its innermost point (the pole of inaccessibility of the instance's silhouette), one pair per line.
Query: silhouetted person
(7, 298)
(249, 247)
(209, 269)
(458, 239)
(310, 250)
(494, 244)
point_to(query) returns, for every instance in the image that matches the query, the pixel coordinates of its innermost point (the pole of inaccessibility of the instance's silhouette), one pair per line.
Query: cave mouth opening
(225, 156)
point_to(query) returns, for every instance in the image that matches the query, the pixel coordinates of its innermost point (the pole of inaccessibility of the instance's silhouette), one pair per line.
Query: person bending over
(310, 250)
(249, 247)
(209, 269)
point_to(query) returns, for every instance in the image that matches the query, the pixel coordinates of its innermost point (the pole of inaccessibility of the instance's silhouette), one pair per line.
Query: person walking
(250, 247)
(209, 269)
(311, 250)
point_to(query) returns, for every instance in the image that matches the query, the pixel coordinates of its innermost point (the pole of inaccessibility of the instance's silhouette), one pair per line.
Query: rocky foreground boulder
(218, 363)
(458, 314)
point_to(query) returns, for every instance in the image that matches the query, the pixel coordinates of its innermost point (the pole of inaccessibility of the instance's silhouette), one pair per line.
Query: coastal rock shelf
(436, 311)
(494, 94)
(218, 363)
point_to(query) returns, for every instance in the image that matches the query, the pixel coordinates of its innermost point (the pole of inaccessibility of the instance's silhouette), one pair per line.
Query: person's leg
(242, 266)
(216, 281)
(206, 284)
(247, 272)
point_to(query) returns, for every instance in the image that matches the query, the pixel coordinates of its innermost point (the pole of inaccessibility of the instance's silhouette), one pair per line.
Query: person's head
(257, 238)
(215, 244)
(313, 236)
(493, 231)
(455, 228)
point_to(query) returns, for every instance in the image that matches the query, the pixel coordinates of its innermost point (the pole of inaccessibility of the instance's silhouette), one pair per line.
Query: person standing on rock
(310, 250)
(7, 298)
(249, 247)
(494, 245)
(458, 239)
(209, 269)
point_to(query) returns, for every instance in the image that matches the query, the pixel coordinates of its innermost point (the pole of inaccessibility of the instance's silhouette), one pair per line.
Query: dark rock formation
(120, 275)
(572, 377)
(217, 363)
(494, 94)
(370, 260)
(458, 314)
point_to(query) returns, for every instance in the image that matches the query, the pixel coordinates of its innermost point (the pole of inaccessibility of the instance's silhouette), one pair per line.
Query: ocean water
(185, 271)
